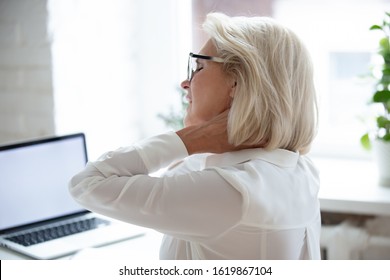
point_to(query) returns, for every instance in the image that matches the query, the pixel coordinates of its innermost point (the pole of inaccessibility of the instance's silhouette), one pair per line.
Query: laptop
(38, 217)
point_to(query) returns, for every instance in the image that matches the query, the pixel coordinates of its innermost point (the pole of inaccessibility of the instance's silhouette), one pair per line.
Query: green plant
(381, 93)
(174, 119)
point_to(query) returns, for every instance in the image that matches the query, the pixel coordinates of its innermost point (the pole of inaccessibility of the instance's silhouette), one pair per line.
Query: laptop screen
(34, 179)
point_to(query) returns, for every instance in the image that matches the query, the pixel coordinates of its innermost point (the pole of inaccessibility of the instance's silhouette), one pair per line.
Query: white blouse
(249, 204)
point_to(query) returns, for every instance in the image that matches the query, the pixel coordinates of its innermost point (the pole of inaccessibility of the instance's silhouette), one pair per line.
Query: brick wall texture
(26, 88)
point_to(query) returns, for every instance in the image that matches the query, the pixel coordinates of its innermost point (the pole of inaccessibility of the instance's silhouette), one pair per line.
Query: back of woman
(280, 216)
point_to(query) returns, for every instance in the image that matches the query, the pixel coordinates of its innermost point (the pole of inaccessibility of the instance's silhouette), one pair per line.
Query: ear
(233, 89)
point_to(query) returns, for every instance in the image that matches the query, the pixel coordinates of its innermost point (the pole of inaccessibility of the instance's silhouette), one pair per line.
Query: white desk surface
(145, 247)
(351, 186)
(347, 186)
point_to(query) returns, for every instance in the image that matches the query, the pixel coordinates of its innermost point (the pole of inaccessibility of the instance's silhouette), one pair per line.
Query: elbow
(82, 182)
(76, 187)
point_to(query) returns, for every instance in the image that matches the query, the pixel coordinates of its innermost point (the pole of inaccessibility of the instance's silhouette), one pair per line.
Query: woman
(237, 186)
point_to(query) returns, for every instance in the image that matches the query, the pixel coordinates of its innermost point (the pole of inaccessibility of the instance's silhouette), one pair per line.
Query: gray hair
(274, 102)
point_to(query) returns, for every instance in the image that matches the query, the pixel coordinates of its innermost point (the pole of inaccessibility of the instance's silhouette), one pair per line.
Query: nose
(185, 84)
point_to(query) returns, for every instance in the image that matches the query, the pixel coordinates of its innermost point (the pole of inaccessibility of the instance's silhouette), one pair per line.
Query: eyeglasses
(193, 66)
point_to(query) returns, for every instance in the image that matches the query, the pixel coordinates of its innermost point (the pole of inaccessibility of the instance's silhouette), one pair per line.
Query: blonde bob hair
(274, 102)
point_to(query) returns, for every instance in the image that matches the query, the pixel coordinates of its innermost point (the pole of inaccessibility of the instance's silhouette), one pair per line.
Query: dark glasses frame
(190, 72)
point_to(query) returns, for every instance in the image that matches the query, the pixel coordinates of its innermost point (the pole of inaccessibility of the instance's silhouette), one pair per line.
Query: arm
(194, 205)
(210, 137)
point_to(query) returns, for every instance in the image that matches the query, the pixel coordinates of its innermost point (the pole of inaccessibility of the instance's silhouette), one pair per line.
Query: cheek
(222, 99)
(210, 103)
(210, 97)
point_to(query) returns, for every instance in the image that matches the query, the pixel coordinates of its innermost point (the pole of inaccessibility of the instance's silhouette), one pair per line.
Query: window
(117, 66)
(111, 81)
(337, 35)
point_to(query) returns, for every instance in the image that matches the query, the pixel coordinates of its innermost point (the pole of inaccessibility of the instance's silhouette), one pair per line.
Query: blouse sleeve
(196, 205)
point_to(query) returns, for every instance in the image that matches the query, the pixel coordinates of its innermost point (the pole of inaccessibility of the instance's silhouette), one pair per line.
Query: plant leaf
(384, 44)
(386, 71)
(365, 142)
(382, 122)
(381, 96)
(374, 27)
(386, 137)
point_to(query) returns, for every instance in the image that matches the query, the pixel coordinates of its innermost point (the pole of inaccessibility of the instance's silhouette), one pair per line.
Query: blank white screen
(34, 181)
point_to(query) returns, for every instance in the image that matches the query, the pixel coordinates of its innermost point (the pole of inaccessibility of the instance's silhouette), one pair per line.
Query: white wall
(26, 92)
(114, 70)
(117, 65)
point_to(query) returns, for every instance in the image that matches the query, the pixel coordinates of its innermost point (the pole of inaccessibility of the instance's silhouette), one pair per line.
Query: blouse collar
(279, 157)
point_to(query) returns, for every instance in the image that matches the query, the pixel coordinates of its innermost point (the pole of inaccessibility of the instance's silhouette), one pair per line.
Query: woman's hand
(208, 137)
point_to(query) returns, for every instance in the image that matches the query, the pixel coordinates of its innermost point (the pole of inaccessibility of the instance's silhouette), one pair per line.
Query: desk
(350, 186)
(347, 186)
(145, 247)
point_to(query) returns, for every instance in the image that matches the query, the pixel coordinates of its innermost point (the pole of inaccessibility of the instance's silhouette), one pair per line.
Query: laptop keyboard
(46, 234)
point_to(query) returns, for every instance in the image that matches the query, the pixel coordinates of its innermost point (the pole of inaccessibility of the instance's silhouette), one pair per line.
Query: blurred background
(109, 68)
(112, 68)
